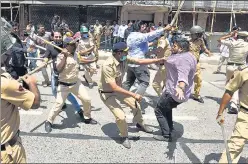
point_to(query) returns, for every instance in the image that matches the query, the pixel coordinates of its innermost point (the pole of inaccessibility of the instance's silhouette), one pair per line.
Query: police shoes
(144, 128)
(232, 110)
(81, 114)
(199, 99)
(90, 121)
(125, 142)
(48, 127)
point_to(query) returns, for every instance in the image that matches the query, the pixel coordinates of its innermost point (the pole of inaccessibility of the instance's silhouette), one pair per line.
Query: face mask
(85, 36)
(123, 58)
(58, 42)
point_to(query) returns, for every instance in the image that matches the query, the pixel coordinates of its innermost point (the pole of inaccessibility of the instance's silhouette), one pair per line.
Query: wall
(158, 17)
(202, 20)
(212, 41)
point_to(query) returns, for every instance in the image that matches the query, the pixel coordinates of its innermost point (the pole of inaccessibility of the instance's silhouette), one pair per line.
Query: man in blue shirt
(137, 43)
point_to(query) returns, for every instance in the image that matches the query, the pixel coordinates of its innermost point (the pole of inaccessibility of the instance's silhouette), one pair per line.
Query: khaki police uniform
(90, 68)
(112, 70)
(12, 97)
(159, 79)
(240, 132)
(93, 37)
(238, 50)
(195, 47)
(70, 83)
(97, 33)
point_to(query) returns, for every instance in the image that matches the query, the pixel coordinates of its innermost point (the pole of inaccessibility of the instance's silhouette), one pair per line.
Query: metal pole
(218, 12)
(194, 13)
(11, 11)
(212, 23)
(231, 22)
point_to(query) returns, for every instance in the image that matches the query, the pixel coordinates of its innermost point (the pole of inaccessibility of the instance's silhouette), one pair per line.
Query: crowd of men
(68, 52)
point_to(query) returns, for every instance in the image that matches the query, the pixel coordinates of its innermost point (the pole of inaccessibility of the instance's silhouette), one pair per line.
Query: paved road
(199, 136)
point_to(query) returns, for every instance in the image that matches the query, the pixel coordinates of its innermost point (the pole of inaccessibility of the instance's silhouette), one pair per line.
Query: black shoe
(144, 128)
(48, 127)
(97, 66)
(64, 106)
(125, 142)
(162, 138)
(81, 114)
(90, 121)
(91, 85)
(232, 111)
(143, 112)
(199, 99)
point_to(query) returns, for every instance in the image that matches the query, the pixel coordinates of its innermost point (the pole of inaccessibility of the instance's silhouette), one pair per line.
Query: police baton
(177, 13)
(35, 70)
(226, 145)
(31, 58)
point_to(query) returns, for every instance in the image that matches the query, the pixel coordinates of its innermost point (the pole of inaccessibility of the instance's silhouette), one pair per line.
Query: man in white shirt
(115, 33)
(224, 52)
(121, 31)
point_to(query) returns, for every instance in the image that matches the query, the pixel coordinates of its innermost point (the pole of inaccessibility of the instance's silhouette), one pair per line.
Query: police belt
(230, 63)
(11, 142)
(100, 91)
(246, 109)
(67, 84)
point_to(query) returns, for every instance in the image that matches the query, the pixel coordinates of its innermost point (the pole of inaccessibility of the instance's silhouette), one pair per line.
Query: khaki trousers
(230, 69)
(110, 100)
(238, 138)
(98, 40)
(159, 80)
(197, 81)
(18, 154)
(89, 71)
(96, 52)
(221, 62)
(43, 71)
(77, 90)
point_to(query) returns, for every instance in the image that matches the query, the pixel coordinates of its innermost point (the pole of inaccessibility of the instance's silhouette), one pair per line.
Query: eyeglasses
(57, 36)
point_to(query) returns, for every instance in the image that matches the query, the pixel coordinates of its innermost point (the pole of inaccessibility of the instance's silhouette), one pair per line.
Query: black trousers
(163, 112)
(140, 73)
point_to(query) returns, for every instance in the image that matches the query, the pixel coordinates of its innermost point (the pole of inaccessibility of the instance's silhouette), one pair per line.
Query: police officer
(110, 89)
(196, 45)
(93, 37)
(13, 95)
(239, 81)
(68, 69)
(85, 50)
(238, 50)
(52, 53)
(163, 50)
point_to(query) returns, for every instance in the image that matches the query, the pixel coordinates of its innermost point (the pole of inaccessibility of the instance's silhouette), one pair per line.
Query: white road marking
(153, 117)
(218, 82)
(24, 112)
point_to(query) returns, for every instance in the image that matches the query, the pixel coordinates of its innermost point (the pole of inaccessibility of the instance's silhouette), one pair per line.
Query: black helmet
(196, 30)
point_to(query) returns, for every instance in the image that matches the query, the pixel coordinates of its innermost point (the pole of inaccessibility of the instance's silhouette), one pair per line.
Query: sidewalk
(213, 60)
